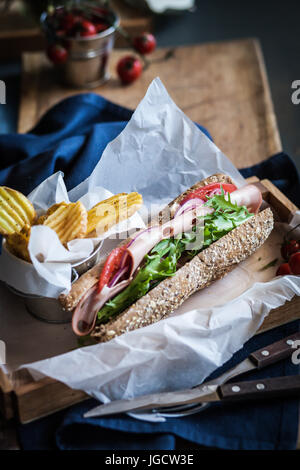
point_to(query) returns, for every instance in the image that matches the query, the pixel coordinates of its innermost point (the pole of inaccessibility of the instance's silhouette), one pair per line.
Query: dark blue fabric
(71, 137)
(281, 170)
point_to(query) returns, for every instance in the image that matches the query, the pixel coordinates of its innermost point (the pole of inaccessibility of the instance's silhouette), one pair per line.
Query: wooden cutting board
(221, 85)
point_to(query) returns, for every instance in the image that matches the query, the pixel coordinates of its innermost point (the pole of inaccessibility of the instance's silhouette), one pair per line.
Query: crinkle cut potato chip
(109, 212)
(15, 211)
(17, 243)
(69, 221)
(43, 217)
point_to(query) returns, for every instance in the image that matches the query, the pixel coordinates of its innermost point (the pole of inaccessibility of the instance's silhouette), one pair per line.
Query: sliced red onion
(138, 234)
(117, 276)
(189, 205)
(217, 191)
(125, 255)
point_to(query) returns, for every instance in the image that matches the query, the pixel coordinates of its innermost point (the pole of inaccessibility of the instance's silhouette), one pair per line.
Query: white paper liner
(161, 153)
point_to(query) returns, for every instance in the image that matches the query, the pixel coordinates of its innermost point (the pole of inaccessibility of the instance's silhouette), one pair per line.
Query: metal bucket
(87, 63)
(49, 309)
(45, 308)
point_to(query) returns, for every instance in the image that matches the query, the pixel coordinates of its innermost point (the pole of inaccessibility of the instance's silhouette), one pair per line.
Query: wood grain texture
(284, 207)
(222, 86)
(282, 315)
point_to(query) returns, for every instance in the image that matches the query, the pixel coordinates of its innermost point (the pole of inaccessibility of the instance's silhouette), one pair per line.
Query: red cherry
(288, 248)
(129, 68)
(57, 53)
(68, 22)
(100, 26)
(145, 43)
(294, 263)
(283, 269)
(87, 28)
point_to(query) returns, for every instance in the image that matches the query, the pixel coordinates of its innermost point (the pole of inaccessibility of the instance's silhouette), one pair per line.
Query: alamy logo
(296, 94)
(2, 352)
(296, 354)
(2, 92)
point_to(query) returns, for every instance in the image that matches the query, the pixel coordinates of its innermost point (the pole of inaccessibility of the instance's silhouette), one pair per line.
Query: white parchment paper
(160, 153)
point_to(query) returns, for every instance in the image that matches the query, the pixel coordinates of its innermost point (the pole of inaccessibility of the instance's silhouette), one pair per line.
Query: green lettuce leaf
(158, 265)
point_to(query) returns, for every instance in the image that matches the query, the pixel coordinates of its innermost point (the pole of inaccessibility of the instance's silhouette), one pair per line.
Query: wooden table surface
(222, 86)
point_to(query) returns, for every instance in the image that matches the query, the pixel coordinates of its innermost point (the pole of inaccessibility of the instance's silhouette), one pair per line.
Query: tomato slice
(111, 266)
(201, 193)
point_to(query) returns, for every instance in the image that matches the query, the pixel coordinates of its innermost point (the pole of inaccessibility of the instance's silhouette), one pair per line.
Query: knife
(216, 389)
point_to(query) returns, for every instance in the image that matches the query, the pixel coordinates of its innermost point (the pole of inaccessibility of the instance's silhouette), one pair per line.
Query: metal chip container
(87, 63)
(46, 308)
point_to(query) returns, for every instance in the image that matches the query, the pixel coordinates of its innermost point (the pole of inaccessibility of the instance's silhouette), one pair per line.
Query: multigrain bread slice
(211, 264)
(89, 279)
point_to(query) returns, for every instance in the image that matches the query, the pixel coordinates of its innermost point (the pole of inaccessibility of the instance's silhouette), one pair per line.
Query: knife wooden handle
(276, 351)
(262, 388)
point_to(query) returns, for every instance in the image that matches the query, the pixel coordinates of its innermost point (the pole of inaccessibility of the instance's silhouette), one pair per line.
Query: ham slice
(144, 243)
(85, 314)
(249, 196)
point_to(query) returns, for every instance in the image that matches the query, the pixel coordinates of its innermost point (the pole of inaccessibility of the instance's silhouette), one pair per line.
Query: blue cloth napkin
(71, 137)
(260, 425)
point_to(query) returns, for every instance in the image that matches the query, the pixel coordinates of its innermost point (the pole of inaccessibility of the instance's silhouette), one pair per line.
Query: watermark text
(296, 94)
(296, 354)
(2, 92)
(2, 352)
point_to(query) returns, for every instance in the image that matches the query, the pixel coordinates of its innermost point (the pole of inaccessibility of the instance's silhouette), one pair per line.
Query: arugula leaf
(160, 264)
(163, 259)
(226, 217)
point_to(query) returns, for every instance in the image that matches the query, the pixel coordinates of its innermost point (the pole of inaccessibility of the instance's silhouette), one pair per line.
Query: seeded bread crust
(211, 264)
(89, 279)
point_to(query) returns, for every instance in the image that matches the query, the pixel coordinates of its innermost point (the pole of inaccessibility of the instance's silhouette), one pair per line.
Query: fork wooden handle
(262, 388)
(276, 351)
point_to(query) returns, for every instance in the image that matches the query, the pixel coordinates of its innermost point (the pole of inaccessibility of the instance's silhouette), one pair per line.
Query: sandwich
(195, 240)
